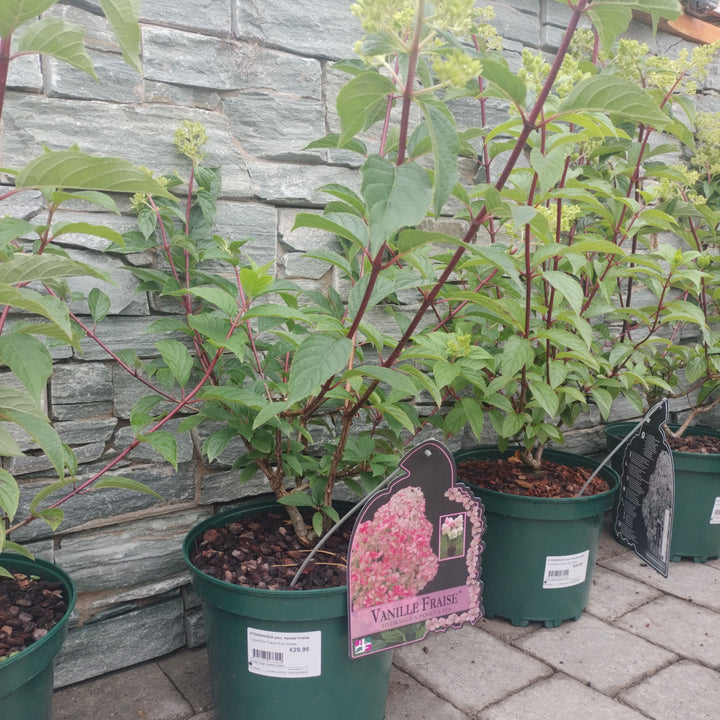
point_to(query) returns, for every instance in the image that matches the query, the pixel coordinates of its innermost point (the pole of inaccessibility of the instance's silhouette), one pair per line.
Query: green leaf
(216, 443)
(617, 97)
(124, 17)
(569, 287)
(396, 197)
(333, 141)
(15, 547)
(445, 146)
(80, 171)
(52, 516)
(122, 483)
(218, 297)
(165, 443)
(59, 39)
(269, 412)
(356, 234)
(9, 494)
(506, 83)
(546, 397)
(99, 304)
(13, 228)
(17, 406)
(83, 228)
(398, 381)
(475, 415)
(517, 353)
(27, 267)
(140, 412)
(13, 13)
(297, 499)
(29, 360)
(612, 17)
(177, 358)
(549, 167)
(318, 358)
(358, 100)
(603, 399)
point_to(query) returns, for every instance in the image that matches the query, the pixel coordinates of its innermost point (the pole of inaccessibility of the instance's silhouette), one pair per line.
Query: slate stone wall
(258, 75)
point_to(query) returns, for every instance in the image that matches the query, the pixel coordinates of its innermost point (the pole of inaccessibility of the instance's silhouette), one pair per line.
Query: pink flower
(391, 556)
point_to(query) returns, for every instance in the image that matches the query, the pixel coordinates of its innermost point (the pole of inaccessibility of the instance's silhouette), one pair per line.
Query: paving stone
(560, 698)
(591, 651)
(503, 630)
(408, 700)
(687, 580)
(684, 690)
(680, 626)
(468, 667)
(141, 692)
(189, 672)
(612, 595)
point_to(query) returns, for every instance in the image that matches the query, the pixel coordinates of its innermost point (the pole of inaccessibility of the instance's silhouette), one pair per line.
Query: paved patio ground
(646, 647)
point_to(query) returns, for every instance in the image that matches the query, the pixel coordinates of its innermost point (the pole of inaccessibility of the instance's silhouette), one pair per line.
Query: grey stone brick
(211, 16)
(97, 648)
(321, 28)
(276, 126)
(141, 134)
(117, 81)
(133, 553)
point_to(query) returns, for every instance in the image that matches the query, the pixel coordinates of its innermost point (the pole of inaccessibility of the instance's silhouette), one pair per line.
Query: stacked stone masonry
(258, 74)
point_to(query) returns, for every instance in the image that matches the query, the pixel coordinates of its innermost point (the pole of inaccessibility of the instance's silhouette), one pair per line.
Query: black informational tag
(647, 495)
(414, 560)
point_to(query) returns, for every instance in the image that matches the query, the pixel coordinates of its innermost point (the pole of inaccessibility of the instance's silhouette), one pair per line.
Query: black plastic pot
(696, 518)
(539, 552)
(249, 626)
(26, 679)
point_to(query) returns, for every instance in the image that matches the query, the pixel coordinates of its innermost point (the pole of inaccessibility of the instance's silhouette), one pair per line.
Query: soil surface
(510, 476)
(705, 444)
(262, 551)
(29, 608)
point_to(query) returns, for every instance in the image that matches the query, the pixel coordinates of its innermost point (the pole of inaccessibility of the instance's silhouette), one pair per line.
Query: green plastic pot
(235, 617)
(697, 495)
(26, 679)
(535, 547)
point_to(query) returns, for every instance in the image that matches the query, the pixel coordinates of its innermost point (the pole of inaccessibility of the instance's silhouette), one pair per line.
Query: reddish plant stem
(4, 66)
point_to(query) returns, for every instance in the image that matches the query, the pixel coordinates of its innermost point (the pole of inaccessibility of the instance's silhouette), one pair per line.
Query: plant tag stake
(414, 557)
(647, 495)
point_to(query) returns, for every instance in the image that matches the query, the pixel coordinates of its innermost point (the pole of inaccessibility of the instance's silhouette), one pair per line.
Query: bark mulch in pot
(262, 551)
(704, 444)
(29, 608)
(509, 475)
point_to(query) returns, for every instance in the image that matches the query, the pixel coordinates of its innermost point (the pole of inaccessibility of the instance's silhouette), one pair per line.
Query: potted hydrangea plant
(585, 288)
(32, 280)
(686, 359)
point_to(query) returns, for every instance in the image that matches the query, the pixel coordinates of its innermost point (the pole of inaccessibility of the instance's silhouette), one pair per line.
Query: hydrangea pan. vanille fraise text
(392, 557)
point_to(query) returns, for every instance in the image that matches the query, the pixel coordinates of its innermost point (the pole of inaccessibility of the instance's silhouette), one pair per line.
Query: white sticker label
(287, 655)
(565, 570)
(715, 515)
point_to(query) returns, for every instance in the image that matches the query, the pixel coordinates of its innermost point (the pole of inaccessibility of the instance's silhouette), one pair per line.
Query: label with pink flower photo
(414, 558)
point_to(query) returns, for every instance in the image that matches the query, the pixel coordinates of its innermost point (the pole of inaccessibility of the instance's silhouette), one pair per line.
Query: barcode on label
(558, 573)
(267, 655)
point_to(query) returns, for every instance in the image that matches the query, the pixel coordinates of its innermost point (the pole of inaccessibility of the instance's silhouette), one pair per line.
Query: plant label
(288, 655)
(647, 494)
(414, 557)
